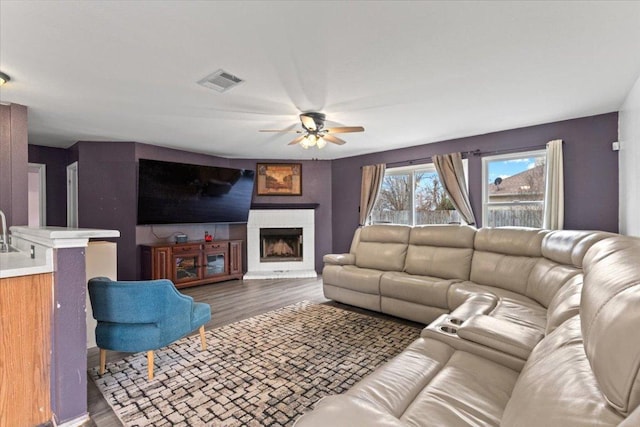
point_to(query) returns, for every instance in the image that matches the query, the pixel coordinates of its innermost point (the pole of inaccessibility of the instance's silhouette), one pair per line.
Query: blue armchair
(143, 316)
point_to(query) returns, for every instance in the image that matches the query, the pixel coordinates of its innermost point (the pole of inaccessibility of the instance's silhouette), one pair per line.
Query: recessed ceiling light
(4, 78)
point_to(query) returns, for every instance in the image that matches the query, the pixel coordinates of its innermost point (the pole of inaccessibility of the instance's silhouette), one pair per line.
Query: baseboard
(283, 274)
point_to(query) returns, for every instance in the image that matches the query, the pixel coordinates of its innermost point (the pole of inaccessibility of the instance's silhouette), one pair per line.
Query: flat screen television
(178, 193)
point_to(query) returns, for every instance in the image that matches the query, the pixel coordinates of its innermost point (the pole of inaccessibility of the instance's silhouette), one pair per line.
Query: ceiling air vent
(220, 81)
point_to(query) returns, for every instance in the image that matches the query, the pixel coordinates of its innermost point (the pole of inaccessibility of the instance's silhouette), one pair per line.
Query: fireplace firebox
(280, 244)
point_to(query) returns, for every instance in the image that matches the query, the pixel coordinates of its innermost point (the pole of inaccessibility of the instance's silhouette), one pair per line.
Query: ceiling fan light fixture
(311, 139)
(4, 78)
(304, 143)
(314, 133)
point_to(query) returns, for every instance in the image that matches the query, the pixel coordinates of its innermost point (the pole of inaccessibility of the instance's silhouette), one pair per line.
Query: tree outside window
(413, 196)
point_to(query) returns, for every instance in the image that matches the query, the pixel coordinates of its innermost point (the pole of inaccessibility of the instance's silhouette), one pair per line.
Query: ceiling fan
(314, 132)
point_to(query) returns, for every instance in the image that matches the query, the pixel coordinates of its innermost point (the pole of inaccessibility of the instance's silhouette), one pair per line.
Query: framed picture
(279, 179)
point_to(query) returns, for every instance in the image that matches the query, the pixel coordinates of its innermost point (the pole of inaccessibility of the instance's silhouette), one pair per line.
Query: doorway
(72, 195)
(37, 195)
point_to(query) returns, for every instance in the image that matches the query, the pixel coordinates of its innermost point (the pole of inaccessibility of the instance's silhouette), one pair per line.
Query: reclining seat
(354, 278)
(584, 373)
(549, 291)
(437, 256)
(502, 262)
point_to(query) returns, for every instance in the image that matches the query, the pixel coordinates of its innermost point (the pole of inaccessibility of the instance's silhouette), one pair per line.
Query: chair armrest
(339, 259)
(500, 334)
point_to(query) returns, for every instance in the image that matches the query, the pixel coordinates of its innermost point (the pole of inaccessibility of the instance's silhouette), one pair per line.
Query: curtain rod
(467, 154)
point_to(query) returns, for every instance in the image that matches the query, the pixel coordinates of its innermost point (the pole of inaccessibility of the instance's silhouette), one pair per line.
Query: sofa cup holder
(449, 330)
(456, 321)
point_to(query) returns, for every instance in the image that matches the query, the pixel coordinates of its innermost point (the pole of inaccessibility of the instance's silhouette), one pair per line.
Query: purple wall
(69, 336)
(107, 195)
(590, 168)
(56, 160)
(13, 164)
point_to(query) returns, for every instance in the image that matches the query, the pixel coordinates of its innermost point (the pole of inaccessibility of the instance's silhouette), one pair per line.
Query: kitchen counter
(41, 241)
(20, 263)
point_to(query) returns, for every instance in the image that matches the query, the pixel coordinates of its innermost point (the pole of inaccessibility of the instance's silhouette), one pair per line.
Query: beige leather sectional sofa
(525, 327)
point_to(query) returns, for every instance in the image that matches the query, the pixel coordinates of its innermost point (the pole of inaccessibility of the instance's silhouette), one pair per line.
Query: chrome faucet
(4, 246)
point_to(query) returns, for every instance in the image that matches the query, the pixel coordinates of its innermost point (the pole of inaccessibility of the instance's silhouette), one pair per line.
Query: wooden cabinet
(193, 263)
(162, 262)
(25, 350)
(235, 257)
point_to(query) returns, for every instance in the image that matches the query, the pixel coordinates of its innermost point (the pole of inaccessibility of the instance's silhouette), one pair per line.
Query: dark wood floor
(230, 301)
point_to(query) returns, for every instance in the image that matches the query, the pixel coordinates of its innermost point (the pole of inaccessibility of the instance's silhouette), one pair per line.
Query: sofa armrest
(475, 305)
(500, 334)
(339, 259)
(347, 411)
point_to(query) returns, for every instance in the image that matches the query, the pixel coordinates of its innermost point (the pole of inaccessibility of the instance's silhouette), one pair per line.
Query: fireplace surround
(280, 244)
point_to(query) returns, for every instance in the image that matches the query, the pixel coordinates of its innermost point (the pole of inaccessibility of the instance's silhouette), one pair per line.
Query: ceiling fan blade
(308, 122)
(345, 129)
(280, 130)
(297, 140)
(334, 139)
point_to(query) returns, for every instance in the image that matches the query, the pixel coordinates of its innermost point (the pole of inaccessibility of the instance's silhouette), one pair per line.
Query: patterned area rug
(262, 371)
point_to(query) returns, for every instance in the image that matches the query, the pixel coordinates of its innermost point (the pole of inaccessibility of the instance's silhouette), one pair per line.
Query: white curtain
(372, 177)
(554, 187)
(451, 174)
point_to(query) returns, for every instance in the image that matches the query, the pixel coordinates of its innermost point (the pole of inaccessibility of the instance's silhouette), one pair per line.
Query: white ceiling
(409, 72)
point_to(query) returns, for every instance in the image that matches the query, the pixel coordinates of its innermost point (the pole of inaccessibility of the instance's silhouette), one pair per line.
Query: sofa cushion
(563, 251)
(440, 250)
(565, 304)
(509, 306)
(449, 236)
(409, 310)
(516, 241)
(432, 381)
(557, 387)
(446, 263)
(395, 385)
(610, 318)
(546, 278)
(382, 247)
(503, 271)
(429, 291)
(363, 280)
(459, 292)
(351, 297)
(570, 246)
(469, 390)
(347, 411)
(504, 257)
(521, 312)
(501, 334)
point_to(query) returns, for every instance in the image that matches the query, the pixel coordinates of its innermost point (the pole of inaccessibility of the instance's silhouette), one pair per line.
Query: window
(414, 196)
(513, 189)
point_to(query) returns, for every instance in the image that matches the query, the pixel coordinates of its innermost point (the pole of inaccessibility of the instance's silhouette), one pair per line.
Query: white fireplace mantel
(280, 218)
